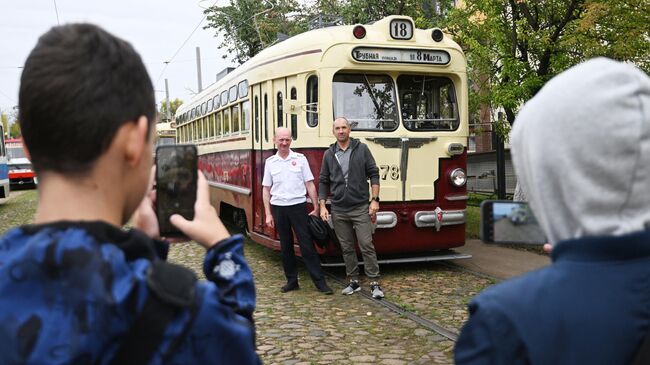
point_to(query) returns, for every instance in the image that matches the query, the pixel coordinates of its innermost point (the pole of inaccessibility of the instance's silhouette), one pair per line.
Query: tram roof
(322, 39)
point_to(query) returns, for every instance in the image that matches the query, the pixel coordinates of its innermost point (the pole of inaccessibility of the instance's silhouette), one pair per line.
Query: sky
(161, 31)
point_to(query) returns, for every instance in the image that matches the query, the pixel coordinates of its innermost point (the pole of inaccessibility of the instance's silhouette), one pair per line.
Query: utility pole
(168, 113)
(501, 161)
(198, 67)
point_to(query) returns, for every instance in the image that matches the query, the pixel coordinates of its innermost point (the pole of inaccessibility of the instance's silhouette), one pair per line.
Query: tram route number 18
(389, 170)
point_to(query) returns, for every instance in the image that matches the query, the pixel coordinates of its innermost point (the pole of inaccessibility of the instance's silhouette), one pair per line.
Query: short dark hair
(80, 84)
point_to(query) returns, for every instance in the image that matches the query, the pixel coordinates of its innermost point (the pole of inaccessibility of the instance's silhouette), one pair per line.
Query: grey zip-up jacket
(362, 168)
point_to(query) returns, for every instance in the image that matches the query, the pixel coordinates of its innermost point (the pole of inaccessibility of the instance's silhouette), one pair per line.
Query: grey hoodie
(581, 149)
(347, 196)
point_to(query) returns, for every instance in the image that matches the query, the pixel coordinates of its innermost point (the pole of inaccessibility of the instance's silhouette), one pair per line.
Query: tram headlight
(359, 32)
(437, 34)
(458, 177)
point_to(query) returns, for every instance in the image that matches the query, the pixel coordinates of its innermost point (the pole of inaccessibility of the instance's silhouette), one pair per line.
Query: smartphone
(176, 178)
(505, 221)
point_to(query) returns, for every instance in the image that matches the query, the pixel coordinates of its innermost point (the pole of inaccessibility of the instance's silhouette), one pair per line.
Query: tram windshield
(16, 152)
(428, 103)
(367, 101)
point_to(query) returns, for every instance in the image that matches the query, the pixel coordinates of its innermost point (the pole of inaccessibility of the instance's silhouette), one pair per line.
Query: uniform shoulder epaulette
(298, 154)
(271, 158)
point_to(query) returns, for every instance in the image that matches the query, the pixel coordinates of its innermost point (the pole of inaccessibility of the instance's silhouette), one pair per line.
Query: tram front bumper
(438, 218)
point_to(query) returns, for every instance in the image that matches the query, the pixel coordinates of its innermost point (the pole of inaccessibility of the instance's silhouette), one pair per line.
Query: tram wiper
(372, 97)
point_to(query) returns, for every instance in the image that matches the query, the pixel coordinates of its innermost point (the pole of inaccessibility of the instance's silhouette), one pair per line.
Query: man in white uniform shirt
(287, 179)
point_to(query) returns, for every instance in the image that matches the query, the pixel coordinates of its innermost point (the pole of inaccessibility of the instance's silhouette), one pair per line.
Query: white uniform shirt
(287, 178)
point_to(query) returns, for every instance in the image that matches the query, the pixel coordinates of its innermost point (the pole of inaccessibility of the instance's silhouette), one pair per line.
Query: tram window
(232, 94)
(192, 114)
(211, 126)
(266, 118)
(367, 101)
(280, 111)
(294, 117)
(235, 118)
(246, 116)
(218, 124)
(312, 101)
(256, 118)
(224, 98)
(226, 121)
(209, 105)
(428, 103)
(215, 102)
(243, 89)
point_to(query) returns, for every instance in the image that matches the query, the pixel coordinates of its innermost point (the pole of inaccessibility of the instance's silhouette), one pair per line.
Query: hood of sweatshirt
(581, 150)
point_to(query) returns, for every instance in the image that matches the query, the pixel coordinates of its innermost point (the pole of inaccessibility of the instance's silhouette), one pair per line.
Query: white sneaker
(375, 289)
(352, 288)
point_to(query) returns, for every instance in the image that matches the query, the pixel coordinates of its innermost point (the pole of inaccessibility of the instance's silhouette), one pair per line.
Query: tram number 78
(389, 170)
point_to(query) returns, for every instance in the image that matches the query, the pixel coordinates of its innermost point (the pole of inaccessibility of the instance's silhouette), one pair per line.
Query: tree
(248, 26)
(515, 46)
(174, 104)
(14, 130)
(5, 122)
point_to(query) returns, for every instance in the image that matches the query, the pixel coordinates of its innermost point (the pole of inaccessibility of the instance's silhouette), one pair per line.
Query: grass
(472, 222)
(19, 209)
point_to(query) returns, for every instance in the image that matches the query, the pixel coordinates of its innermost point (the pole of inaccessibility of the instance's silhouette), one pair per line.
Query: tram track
(430, 325)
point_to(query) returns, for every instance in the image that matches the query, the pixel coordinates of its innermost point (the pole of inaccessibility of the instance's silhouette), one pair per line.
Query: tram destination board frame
(401, 55)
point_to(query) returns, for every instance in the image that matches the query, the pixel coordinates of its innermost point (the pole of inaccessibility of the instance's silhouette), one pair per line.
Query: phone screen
(505, 221)
(176, 177)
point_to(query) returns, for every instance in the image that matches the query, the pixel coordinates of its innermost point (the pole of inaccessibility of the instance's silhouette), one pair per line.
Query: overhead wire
(181, 46)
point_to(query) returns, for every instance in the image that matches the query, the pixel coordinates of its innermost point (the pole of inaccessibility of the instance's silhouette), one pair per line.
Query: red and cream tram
(403, 89)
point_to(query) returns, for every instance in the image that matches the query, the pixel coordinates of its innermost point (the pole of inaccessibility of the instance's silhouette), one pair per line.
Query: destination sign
(400, 55)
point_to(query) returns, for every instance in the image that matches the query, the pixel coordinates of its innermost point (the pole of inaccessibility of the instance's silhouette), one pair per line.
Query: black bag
(319, 231)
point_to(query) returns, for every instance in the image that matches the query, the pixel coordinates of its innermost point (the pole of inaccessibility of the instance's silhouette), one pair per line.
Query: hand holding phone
(505, 221)
(176, 180)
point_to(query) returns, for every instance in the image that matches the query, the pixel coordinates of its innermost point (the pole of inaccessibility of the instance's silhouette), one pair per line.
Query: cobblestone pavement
(307, 327)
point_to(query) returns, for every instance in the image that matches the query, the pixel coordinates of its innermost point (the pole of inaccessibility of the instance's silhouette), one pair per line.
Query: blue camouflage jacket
(70, 291)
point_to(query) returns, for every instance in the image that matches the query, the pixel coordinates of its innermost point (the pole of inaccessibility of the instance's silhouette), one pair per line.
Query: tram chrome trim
(386, 219)
(454, 198)
(431, 218)
(229, 187)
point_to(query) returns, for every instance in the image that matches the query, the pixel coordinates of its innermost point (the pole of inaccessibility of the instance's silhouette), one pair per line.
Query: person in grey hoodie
(347, 167)
(581, 149)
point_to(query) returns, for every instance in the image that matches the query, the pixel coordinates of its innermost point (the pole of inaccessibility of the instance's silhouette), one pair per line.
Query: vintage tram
(403, 89)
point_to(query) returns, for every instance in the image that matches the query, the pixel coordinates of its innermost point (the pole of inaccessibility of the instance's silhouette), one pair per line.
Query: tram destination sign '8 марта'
(401, 55)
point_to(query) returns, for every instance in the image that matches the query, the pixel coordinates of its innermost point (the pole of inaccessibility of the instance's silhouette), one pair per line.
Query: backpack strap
(172, 289)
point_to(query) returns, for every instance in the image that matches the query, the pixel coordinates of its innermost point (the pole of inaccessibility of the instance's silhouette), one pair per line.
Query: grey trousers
(356, 224)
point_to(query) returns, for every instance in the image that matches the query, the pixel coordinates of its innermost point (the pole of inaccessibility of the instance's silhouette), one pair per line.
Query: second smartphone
(505, 221)
(176, 179)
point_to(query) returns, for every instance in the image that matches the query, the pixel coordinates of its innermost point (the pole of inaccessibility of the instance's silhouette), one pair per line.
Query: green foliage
(14, 130)
(174, 104)
(248, 26)
(5, 122)
(514, 47)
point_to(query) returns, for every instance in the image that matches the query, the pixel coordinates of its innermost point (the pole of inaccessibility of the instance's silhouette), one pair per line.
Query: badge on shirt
(293, 163)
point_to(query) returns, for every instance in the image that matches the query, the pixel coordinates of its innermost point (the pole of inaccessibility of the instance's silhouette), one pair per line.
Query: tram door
(263, 145)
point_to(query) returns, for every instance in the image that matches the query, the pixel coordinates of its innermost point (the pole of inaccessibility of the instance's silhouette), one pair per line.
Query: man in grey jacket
(347, 167)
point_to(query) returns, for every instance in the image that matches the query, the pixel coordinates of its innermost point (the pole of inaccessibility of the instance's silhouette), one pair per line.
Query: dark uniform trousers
(295, 216)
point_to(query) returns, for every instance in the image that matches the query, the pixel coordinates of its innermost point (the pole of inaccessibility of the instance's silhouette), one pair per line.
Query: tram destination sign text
(401, 55)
